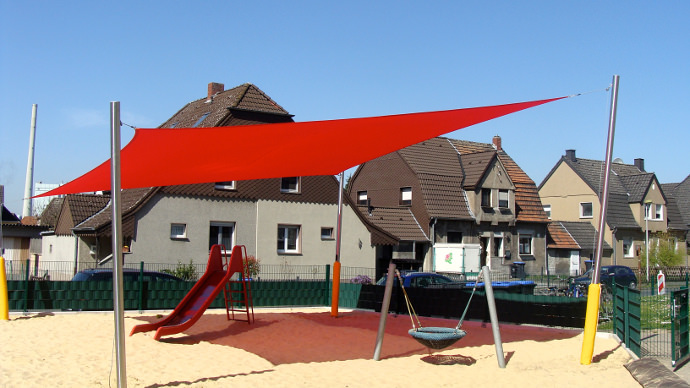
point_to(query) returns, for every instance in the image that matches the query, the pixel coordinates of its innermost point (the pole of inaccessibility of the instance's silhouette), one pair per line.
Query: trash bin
(588, 264)
(517, 270)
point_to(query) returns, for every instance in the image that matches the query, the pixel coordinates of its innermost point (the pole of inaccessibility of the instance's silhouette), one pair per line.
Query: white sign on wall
(457, 258)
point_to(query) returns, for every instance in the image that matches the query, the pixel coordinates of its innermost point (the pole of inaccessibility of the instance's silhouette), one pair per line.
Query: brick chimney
(214, 88)
(639, 163)
(570, 155)
(497, 143)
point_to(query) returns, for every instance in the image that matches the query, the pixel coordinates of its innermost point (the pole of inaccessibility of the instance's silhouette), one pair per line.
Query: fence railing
(65, 270)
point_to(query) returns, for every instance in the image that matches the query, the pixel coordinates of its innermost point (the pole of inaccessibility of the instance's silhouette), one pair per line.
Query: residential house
(454, 206)
(290, 220)
(636, 205)
(20, 238)
(571, 247)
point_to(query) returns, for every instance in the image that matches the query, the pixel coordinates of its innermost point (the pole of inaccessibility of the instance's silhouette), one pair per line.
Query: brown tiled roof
(475, 166)
(528, 205)
(50, 214)
(559, 238)
(313, 189)
(99, 223)
(399, 222)
(76, 208)
(236, 106)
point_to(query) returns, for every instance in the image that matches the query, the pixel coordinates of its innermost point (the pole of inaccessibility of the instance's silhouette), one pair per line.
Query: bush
(361, 279)
(662, 252)
(185, 272)
(252, 266)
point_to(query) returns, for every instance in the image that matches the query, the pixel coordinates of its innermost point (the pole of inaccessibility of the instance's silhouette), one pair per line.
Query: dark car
(419, 279)
(621, 274)
(128, 275)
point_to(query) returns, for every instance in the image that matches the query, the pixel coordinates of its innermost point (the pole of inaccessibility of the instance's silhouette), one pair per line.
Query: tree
(662, 252)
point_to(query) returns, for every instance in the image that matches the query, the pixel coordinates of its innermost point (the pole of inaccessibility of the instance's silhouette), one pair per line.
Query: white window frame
(658, 212)
(221, 225)
(175, 234)
(582, 210)
(284, 236)
(630, 252)
(406, 196)
(327, 233)
(227, 185)
(497, 245)
(547, 210)
(288, 188)
(506, 199)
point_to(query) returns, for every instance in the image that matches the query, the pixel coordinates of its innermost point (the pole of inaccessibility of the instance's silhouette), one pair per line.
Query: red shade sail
(173, 156)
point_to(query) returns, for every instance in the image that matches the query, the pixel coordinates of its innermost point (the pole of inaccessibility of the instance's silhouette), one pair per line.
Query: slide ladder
(238, 292)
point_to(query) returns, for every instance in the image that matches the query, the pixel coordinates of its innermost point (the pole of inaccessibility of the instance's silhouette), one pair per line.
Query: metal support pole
(594, 289)
(494, 318)
(384, 310)
(336, 264)
(118, 289)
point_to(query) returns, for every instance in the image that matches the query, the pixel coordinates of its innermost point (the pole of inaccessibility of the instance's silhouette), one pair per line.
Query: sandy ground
(291, 347)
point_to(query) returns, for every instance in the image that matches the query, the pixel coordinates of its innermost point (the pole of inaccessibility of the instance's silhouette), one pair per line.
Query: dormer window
(227, 185)
(486, 197)
(290, 185)
(654, 212)
(406, 196)
(362, 198)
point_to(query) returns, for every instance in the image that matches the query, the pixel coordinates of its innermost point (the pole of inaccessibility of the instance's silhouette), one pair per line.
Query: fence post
(27, 270)
(141, 286)
(327, 283)
(626, 316)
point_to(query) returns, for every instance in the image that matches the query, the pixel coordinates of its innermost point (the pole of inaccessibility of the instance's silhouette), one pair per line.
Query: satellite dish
(618, 160)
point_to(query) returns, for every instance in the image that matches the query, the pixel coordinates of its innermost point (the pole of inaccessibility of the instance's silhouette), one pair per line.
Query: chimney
(214, 88)
(497, 143)
(570, 155)
(639, 163)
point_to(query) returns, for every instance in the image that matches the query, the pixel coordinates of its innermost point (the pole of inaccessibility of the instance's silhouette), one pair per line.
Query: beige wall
(564, 191)
(355, 251)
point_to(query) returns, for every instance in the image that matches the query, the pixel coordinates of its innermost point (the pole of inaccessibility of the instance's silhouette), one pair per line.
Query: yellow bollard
(336, 289)
(591, 322)
(4, 302)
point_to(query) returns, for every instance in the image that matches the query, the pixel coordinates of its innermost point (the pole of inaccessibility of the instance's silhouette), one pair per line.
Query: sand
(290, 347)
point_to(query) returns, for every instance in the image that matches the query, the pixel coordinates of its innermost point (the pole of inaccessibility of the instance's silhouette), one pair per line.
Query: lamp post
(647, 206)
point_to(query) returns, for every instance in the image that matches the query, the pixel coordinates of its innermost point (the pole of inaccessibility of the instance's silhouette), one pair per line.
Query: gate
(627, 313)
(679, 329)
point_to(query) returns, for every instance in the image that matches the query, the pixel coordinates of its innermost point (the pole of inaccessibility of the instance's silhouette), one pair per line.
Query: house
(637, 205)
(454, 206)
(678, 196)
(289, 220)
(19, 238)
(571, 247)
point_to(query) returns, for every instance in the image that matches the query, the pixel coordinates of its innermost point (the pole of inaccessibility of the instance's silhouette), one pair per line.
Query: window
(326, 233)
(497, 248)
(547, 210)
(288, 238)
(227, 185)
(586, 210)
(406, 196)
(454, 237)
(202, 118)
(503, 198)
(628, 248)
(658, 212)
(221, 233)
(362, 198)
(525, 244)
(178, 231)
(289, 185)
(486, 197)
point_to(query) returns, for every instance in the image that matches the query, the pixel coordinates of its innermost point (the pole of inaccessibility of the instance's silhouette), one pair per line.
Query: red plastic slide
(197, 300)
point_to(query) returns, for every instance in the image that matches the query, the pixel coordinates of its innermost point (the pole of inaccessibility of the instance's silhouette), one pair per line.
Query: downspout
(76, 253)
(433, 244)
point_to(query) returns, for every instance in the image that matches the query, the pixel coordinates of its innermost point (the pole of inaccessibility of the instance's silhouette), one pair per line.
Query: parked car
(621, 274)
(419, 279)
(128, 275)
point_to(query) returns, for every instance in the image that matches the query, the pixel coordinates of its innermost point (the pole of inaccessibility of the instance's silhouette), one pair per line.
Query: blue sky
(322, 60)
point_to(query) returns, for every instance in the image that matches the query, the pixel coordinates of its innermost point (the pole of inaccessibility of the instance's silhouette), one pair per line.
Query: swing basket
(437, 337)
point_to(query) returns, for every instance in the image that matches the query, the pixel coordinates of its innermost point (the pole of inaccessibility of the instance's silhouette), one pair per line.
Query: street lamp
(647, 206)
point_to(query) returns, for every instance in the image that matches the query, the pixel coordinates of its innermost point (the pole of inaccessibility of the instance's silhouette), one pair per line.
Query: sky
(325, 60)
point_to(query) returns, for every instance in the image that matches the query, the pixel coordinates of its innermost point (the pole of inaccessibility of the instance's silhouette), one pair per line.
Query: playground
(288, 347)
